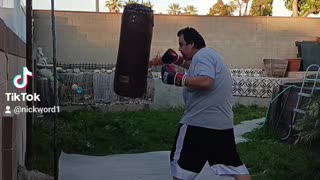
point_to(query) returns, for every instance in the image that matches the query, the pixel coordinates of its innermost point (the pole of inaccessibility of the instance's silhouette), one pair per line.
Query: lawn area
(97, 133)
(269, 159)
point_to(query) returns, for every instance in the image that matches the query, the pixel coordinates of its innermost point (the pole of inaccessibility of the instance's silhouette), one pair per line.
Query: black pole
(29, 63)
(55, 101)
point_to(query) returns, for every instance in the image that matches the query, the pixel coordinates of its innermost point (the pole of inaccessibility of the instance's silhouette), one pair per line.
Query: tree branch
(306, 14)
(295, 8)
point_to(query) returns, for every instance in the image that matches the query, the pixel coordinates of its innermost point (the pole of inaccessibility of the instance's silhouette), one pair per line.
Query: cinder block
(22, 51)
(3, 35)
(12, 67)
(12, 89)
(21, 62)
(84, 15)
(42, 14)
(3, 98)
(8, 130)
(21, 136)
(113, 17)
(42, 22)
(99, 16)
(9, 164)
(3, 68)
(11, 42)
(61, 21)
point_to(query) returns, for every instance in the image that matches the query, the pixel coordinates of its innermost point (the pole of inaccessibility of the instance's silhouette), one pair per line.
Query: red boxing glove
(170, 76)
(170, 56)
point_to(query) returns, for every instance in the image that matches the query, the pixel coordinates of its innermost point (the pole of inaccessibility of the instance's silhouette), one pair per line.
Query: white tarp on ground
(142, 166)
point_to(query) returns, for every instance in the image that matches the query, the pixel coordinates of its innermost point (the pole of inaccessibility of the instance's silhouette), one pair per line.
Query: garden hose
(273, 100)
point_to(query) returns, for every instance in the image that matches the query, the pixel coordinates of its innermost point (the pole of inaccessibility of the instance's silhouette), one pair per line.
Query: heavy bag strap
(134, 9)
(138, 8)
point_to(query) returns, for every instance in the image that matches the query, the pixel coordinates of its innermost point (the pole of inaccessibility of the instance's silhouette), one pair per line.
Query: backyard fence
(86, 65)
(87, 87)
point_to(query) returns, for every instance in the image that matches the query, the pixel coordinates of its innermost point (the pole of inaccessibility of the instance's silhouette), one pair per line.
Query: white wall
(12, 12)
(7, 3)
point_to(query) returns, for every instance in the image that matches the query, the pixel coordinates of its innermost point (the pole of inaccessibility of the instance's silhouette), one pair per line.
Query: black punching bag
(131, 72)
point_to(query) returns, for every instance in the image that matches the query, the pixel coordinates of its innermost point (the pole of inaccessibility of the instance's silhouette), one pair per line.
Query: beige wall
(12, 65)
(243, 41)
(12, 59)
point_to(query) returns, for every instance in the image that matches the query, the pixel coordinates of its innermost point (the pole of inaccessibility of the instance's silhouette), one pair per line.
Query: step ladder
(308, 79)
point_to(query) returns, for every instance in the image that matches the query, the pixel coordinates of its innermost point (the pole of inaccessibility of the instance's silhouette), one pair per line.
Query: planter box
(276, 67)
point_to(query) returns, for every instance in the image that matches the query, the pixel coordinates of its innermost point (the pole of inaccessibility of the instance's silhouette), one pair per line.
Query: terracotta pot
(294, 64)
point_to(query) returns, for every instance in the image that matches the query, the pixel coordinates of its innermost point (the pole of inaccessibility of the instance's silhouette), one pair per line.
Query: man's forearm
(199, 82)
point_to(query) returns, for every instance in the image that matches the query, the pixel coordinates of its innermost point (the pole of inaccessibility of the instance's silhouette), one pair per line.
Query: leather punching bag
(130, 78)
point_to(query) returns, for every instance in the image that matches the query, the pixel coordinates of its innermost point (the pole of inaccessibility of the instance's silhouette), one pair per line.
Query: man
(205, 132)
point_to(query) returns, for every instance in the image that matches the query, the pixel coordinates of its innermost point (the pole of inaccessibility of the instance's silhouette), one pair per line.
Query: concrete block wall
(171, 96)
(12, 59)
(243, 41)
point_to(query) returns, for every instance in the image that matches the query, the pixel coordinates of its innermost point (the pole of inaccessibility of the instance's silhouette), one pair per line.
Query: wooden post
(9, 155)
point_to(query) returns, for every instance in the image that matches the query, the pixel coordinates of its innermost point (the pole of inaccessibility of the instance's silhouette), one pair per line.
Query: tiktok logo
(21, 81)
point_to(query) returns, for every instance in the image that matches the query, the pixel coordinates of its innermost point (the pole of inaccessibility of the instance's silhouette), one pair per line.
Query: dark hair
(192, 36)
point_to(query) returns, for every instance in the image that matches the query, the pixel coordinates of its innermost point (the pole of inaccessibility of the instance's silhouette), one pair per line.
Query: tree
(261, 8)
(148, 4)
(114, 5)
(245, 13)
(303, 8)
(222, 9)
(239, 4)
(131, 2)
(174, 8)
(190, 10)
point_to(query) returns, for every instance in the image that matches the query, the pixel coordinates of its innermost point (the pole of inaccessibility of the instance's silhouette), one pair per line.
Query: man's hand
(170, 56)
(170, 76)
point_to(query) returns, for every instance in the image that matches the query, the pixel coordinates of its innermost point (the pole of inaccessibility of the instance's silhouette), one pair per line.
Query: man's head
(190, 41)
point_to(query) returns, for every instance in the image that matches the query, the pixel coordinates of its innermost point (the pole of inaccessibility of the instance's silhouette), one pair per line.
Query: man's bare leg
(243, 177)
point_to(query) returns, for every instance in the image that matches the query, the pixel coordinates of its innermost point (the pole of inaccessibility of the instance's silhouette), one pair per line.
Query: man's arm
(170, 76)
(199, 82)
(170, 56)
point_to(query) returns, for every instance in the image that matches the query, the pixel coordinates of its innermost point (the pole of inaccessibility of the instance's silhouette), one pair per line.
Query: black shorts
(194, 146)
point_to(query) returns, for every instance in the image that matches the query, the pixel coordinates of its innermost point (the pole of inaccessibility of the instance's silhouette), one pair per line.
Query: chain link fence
(88, 84)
